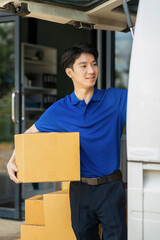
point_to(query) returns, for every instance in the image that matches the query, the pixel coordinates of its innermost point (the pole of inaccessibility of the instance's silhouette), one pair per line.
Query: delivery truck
(143, 110)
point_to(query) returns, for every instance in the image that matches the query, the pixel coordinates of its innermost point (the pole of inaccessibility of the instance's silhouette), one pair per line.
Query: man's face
(85, 71)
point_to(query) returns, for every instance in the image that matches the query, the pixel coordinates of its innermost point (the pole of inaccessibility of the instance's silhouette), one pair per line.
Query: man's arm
(11, 166)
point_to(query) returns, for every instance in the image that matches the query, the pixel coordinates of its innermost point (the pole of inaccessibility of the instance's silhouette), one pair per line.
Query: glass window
(6, 124)
(123, 45)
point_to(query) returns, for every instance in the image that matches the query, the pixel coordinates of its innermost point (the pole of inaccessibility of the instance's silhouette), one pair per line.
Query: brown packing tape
(45, 157)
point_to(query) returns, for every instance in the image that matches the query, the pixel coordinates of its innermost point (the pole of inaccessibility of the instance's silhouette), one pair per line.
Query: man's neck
(84, 94)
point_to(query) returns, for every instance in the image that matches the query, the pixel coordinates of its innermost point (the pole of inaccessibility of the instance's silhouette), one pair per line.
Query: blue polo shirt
(100, 124)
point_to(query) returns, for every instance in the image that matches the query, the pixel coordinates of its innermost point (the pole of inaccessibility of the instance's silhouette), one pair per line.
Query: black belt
(101, 180)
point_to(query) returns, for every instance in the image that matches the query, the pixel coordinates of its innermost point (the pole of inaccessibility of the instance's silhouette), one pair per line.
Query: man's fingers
(15, 168)
(12, 169)
(13, 177)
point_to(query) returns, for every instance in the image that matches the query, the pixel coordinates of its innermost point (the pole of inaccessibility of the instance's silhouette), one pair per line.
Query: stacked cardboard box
(58, 216)
(45, 157)
(48, 217)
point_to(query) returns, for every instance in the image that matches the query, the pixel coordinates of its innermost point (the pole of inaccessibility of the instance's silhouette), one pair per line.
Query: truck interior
(79, 19)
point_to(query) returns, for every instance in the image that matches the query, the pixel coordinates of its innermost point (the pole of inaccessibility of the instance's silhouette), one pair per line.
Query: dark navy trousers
(91, 205)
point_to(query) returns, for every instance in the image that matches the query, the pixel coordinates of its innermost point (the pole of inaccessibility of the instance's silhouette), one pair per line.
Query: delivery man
(99, 117)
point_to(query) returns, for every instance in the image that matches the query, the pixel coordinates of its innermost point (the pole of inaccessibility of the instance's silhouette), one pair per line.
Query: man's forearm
(32, 129)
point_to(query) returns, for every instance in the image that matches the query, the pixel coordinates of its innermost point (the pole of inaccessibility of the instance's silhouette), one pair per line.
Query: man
(99, 116)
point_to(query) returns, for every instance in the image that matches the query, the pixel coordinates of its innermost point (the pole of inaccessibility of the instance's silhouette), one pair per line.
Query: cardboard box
(65, 185)
(58, 216)
(34, 211)
(31, 232)
(44, 157)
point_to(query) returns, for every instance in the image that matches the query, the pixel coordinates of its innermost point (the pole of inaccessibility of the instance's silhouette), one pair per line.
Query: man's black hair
(72, 53)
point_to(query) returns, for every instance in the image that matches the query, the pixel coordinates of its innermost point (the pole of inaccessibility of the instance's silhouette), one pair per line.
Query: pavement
(10, 229)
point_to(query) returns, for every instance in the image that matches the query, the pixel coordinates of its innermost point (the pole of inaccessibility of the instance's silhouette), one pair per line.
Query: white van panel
(143, 114)
(143, 201)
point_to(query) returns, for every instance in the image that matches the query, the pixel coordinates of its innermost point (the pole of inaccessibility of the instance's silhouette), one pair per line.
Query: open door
(88, 14)
(9, 116)
(143, 126)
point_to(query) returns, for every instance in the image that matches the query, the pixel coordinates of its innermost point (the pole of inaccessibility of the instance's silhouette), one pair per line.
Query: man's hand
(11, 166)
(12, 169)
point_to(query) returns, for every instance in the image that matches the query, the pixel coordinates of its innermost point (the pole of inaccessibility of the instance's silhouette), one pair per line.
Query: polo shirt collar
(97, 95)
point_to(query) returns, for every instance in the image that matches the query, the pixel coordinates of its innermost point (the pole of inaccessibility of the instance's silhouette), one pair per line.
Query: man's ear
(69, 72)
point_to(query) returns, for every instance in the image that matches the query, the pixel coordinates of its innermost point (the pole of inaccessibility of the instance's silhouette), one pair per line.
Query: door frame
(15, 213)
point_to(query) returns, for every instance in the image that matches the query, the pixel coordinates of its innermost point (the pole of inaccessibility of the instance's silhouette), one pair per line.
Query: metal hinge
(82, 25)
(20, 10)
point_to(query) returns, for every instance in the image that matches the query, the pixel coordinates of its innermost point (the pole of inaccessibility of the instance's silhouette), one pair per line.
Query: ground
(9, 229)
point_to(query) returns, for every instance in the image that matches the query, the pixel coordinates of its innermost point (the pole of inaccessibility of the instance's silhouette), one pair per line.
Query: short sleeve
(120, 96)
(48, 121)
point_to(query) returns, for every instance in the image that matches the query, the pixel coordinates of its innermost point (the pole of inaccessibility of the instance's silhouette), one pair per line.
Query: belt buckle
(101, 180)
(92, 181)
